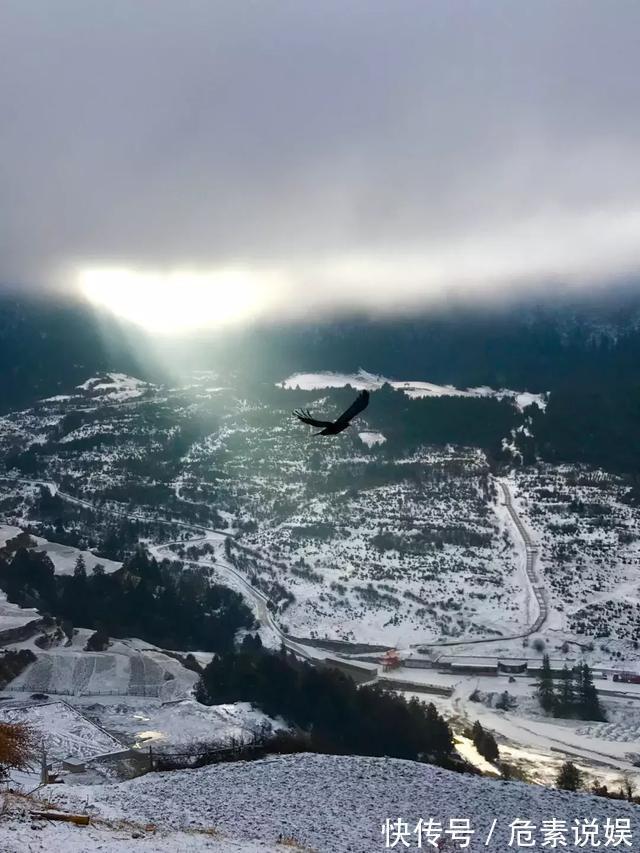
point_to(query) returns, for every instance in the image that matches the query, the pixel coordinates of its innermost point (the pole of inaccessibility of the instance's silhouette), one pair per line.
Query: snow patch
(115, 387)
(412, 388)
(371, 438)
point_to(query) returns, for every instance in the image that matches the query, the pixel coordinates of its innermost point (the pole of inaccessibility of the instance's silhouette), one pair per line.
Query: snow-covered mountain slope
(333, 804)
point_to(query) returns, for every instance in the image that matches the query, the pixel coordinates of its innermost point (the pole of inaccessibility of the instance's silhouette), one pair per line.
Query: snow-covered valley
(341, 549)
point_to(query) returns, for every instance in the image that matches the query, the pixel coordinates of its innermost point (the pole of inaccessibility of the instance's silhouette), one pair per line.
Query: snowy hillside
(63, 557)
(332, 804)
(588, 536)
(121, 671)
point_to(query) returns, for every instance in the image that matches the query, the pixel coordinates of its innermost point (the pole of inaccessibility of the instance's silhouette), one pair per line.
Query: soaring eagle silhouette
(334, 427)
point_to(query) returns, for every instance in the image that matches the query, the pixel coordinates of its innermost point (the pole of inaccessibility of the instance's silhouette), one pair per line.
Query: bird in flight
(334, 427)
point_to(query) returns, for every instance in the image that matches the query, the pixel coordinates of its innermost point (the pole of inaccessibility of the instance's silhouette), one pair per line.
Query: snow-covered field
(335, 804)
(528, 738)
(371, 438)
(114, 387)
(433, 556)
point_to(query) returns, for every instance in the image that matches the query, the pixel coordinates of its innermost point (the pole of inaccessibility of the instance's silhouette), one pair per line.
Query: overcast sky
(377, 154)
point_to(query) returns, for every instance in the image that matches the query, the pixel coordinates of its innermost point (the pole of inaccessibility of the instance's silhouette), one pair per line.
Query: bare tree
(18, 746)
(627, 785)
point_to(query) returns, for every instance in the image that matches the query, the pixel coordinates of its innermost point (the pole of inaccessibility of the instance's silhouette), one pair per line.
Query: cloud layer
(369, 155)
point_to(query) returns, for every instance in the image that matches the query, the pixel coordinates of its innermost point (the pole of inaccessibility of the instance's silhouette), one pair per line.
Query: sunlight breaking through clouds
(180, 300)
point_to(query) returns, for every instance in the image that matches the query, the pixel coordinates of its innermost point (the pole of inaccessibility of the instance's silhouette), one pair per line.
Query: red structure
(391, 660)
(627, 677)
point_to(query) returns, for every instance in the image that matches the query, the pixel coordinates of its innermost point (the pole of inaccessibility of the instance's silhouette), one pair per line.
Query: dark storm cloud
(373, 153)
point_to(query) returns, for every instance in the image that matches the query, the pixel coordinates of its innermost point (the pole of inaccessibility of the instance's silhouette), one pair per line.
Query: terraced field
(73, 673)
(64, 730)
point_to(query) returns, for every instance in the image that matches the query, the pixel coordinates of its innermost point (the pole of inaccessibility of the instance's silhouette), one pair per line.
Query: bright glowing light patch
(178, 301)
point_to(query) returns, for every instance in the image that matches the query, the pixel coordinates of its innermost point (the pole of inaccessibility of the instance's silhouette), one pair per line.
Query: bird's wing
(306, 418)
(359, 404)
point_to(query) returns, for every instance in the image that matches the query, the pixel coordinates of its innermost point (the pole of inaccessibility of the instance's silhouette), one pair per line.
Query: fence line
(258, 745)
(150, 692)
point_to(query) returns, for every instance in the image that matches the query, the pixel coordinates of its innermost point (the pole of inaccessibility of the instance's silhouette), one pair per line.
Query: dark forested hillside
(158, 602)
(597, 426)
(327, 704)
(47, 346)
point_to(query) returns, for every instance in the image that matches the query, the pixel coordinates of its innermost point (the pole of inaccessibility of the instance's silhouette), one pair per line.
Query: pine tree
(484, 742)
(569, 777)
(587, 700)
(546, 693)
(98, 642)
(490, 747)
(578, 686)
(80, 568)
(567, 698)
(627, 785)
(477, 732)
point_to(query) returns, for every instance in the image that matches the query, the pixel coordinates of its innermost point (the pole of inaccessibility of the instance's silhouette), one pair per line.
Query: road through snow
(260, 601)
(537, 587)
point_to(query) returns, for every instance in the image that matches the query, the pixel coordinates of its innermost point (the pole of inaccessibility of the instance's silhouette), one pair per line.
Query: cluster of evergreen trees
(338, 716)
(484, 742)
(569, 777)
(574, 695)
(406, 423)
(158, 602)
(594, 427)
